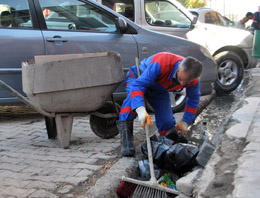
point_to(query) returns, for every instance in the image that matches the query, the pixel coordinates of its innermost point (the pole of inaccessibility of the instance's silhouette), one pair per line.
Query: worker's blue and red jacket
(157, 79)
(256, 21)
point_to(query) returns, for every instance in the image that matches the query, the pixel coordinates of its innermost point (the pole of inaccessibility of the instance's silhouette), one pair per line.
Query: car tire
(51, 127)
(105, 127)
(230, 72)
(178, 101)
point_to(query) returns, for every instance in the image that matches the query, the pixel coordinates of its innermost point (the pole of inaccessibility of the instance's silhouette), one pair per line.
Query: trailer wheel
(105, 127)
(51, 127)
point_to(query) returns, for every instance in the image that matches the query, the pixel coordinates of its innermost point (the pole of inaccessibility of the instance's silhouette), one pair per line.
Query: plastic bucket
(256, 44)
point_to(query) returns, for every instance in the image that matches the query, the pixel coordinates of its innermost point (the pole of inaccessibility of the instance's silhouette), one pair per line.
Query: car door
(210, 31)
(20, 40)
(76, 26)
(162, 16)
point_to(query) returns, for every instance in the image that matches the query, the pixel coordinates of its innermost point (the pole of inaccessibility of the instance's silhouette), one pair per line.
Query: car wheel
(105, 127)
(230, 72)
(178, 101)
(51, 127)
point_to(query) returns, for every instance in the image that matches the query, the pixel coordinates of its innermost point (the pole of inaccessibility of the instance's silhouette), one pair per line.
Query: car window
(15, 14)
(164, 13)
(124, 7)
(74, 15)
(214, 18)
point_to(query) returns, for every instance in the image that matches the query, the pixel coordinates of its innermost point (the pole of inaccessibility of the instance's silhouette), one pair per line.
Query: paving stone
(246, 113)
(86, 166)
(42, 194)
(238, 131)
(185, 185)
(17, 192)
(252, 146)
(73, 180)
(246, 190)
(181, 195)
(65, 189)
(19, 183)
(49, 186)
(205, 152)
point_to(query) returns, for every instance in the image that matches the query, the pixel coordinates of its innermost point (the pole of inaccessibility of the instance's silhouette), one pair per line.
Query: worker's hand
(183, 127)
(143, 116)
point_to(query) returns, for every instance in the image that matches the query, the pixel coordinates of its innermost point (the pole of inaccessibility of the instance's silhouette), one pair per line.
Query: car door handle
(144, 51)
(56, 39)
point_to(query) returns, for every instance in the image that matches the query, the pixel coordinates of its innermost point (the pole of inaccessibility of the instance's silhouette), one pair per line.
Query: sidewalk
(31, 165)
(233, 170)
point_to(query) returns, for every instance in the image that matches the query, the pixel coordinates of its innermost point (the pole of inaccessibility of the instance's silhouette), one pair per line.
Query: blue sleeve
(146, 79)
(192, 103)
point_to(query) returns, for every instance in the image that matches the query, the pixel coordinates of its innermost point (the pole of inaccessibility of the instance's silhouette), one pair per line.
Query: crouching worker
(160, 74)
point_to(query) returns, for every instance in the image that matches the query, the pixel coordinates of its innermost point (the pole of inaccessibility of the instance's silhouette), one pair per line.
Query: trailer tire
(51, 127)
(105, 127)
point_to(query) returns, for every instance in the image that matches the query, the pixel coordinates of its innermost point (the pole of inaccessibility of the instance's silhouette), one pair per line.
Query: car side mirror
(121, 24)
(194, 20)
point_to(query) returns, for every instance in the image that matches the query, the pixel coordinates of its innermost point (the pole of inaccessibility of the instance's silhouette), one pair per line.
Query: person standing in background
(256, 21)
(242, 23)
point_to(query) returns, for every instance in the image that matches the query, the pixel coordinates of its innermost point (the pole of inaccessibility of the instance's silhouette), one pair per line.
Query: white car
(231, 48)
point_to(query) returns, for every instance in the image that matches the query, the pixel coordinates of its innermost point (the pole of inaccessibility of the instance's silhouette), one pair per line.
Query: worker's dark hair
(249, 15)
(192, 66)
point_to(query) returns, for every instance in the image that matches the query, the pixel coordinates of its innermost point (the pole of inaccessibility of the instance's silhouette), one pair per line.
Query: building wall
(233, 9)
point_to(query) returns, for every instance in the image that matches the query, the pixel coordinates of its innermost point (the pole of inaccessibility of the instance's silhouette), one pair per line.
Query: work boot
(125, 129)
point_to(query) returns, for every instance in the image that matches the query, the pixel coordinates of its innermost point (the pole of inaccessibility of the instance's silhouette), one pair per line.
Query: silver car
(49, 27)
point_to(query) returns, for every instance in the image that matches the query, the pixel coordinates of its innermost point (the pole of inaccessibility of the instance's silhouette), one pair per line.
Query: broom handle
(149, 147)
(137, 66)
(138, 74)
(150, 155)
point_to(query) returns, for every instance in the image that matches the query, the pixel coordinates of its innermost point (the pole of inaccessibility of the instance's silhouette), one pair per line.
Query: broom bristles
(126, 189)
(142, 189)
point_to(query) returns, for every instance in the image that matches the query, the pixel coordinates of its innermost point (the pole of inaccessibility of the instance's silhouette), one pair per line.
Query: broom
(134, 188)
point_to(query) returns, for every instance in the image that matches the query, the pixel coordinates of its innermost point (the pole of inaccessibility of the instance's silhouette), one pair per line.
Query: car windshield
(214, 18)
(164, 13)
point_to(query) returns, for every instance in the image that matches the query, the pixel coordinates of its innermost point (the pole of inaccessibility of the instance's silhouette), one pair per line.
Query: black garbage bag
(180, 157)
(165, 140)
(176, 136)
(159, 150)
(144, 170)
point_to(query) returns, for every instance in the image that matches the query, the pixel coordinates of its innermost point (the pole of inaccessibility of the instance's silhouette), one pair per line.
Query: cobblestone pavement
(31, 165)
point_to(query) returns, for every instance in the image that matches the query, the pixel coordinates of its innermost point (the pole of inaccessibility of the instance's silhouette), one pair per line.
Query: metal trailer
(62, 86)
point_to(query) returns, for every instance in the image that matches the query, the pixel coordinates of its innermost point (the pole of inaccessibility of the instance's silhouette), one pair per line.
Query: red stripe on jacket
(137, 93)
(163, 132)
(190, 109)
(127, 110)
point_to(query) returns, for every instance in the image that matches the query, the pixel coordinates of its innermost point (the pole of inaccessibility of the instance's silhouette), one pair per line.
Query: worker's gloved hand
(183, 127)
(143, 116)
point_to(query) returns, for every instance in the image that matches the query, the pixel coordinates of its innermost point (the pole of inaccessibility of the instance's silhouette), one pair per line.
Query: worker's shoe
(125, 129)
